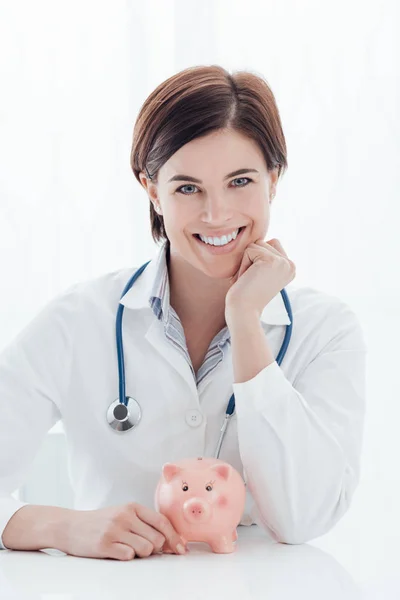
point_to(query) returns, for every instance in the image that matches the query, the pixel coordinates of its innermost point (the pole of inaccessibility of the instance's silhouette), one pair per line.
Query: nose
(196, 510)
(217, 209)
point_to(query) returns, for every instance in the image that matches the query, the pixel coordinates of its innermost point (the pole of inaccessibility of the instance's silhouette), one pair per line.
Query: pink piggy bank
(204, 498)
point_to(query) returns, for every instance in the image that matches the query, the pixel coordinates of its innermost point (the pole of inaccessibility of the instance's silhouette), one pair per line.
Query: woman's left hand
(264, 271)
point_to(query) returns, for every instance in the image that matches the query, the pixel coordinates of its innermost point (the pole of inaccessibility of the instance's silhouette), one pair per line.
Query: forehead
(213, 156)
(194, 475)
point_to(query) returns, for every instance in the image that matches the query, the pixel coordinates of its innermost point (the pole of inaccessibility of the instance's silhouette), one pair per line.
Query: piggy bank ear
(223, 471)
(169, 471)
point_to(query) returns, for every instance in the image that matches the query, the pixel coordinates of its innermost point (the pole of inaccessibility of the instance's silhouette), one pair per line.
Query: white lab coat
(296, 436)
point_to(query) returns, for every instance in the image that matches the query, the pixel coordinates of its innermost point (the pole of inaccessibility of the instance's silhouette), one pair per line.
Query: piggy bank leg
(234, 535)
(222, 544)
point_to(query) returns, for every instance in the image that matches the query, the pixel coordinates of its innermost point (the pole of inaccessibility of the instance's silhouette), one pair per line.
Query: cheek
(222, 501)
(261, 225)
(177, 214)
(259, 214)
(171, 496)
(173, 506)
(175, 226)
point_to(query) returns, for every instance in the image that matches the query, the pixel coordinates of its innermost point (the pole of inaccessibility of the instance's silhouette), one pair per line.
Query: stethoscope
(125, 412)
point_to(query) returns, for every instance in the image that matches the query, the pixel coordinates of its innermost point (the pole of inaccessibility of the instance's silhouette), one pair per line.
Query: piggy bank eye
(209, 488)
(185, 488)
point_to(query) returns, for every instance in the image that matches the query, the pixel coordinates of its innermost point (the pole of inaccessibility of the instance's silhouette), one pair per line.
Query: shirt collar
(151, 289)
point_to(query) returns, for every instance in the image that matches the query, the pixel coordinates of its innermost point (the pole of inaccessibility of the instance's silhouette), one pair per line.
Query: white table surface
(350, 562)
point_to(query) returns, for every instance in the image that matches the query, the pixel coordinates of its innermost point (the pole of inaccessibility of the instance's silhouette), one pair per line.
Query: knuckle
(269, 259)
(128, 554)
(130, 508)
(144, 548)
(162, 522)
(119, 518)
(159, 540)
(105, 540)
(128, 512)
(110, 526)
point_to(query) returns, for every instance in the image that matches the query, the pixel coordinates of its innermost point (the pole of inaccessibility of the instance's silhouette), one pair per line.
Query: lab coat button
(194, 418)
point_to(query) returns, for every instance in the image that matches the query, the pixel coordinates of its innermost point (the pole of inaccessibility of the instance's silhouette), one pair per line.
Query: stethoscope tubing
(118, 330)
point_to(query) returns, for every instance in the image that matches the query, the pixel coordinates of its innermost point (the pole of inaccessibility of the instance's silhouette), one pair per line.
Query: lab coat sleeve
(34, 371)
(300, 444)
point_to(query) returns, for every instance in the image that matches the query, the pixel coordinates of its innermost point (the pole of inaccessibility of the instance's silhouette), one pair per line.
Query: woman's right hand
(120, 532)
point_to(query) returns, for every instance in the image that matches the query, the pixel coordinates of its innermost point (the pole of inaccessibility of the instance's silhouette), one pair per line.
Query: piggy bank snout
(196, 510)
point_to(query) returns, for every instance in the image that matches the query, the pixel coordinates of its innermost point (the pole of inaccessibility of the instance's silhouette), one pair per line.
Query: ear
(274, 177)
(143, 180)
(169, 471)
(149, 185)
(274, 181)
(223, 471)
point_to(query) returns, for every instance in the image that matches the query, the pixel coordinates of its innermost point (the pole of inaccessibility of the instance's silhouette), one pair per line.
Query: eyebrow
(190, 178)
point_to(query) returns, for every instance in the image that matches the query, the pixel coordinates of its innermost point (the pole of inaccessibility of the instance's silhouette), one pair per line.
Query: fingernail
(181, 549)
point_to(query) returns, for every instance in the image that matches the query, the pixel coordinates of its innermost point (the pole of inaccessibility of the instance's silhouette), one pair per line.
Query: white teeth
(225, 239)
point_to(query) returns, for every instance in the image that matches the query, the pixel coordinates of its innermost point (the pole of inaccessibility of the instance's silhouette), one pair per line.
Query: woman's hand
(120, 532)
(264, 271)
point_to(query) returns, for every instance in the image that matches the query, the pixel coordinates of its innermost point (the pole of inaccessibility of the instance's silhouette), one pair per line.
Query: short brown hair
(195, 102)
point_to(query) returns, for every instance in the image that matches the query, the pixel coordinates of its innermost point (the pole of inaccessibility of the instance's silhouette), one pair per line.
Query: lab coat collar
(138, 297)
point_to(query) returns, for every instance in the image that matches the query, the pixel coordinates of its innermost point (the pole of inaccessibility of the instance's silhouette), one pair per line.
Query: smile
(222, 248)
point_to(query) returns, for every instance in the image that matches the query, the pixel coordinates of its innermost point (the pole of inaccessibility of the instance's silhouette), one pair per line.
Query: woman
(204, 318)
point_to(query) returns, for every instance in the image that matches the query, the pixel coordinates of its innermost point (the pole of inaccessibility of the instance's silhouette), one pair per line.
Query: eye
(190, 185)
(185, 487)
(209, 488)
(185, 186)
(241, 178)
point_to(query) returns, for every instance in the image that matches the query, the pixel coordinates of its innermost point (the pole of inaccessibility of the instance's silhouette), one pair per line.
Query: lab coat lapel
(137, 299)
(156, 337)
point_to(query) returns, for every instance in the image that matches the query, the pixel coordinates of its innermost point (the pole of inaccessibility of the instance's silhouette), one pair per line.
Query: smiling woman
(220, 136)
(206, 318)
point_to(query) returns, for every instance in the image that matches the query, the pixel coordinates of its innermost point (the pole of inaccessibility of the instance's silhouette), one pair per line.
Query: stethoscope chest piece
(121, 417)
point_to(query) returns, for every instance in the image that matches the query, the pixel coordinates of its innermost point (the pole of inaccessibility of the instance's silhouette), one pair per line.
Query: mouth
(221, 249)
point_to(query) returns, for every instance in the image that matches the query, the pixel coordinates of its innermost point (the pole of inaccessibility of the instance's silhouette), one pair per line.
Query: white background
(73, 76)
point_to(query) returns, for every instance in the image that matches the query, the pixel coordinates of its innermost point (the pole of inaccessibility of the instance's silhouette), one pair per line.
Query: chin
(215, 271)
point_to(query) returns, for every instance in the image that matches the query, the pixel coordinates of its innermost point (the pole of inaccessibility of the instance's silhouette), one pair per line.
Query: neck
(194, 296)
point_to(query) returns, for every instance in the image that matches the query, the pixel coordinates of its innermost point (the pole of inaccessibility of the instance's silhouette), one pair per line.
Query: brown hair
(195, 102)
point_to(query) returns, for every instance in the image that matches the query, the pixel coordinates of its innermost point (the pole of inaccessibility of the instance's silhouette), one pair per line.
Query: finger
(160, 523)
(276, 244)
(121, 551)
(279, 246)
(245, 264)
(141, 545)
(155, 537)
(251, 254)
(167, 549)
(270, 245)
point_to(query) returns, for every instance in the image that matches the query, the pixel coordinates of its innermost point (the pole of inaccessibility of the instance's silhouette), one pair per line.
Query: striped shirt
(160, 304)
